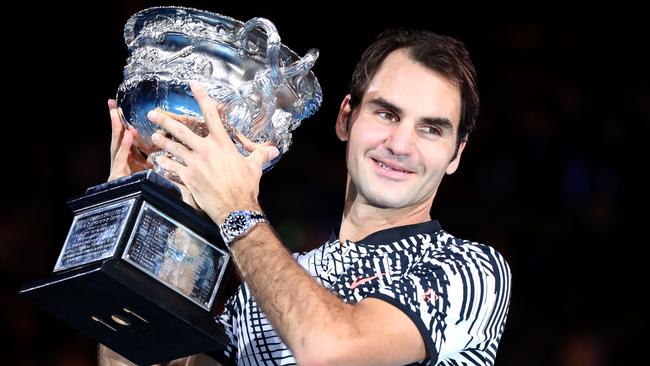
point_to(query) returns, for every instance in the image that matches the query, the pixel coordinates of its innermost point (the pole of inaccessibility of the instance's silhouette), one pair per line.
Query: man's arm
(316, 325)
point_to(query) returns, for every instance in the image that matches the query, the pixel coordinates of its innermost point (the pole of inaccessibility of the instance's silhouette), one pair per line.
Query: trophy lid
(198, 24)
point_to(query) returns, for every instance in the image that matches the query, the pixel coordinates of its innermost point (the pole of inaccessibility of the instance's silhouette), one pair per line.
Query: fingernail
(194, 84)
(273, 153)
(155, 137)
(153, 114)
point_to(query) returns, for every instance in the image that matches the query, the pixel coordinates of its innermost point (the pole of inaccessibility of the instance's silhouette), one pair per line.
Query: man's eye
(387, 115)
(430, 130)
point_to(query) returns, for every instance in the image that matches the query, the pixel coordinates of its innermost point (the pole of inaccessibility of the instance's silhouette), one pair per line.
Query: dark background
(555, 177)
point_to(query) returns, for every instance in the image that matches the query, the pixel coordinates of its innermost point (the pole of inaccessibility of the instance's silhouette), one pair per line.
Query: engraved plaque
(173, 254)
(94, 234)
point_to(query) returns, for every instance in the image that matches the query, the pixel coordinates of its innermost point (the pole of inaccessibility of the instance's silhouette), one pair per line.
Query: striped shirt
(455, 291)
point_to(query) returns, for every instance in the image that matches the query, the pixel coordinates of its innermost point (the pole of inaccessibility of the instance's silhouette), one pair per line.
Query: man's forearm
(292, 300)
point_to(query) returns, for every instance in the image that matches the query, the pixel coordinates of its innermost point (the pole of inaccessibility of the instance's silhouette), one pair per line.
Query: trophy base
(124, 311)
(112, 279)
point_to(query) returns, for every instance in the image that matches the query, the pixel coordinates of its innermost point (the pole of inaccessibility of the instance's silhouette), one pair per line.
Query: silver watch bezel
(251, 218)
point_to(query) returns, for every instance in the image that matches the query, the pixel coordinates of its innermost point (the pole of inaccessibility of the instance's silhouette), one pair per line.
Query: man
(391, 287)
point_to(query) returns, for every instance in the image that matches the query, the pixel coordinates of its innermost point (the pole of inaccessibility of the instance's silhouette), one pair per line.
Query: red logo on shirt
(428, 294)
(360, 281)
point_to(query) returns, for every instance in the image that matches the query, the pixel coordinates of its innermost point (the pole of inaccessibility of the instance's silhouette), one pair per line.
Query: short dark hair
(443, 54)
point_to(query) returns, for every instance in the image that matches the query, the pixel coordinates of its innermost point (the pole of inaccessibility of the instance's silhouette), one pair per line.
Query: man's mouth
(392, 166)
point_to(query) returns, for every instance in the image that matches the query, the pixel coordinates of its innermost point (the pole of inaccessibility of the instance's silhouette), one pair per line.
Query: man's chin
(383, 202)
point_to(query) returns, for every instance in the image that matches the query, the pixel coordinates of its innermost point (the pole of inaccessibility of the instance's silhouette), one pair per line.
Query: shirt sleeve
(457, 298)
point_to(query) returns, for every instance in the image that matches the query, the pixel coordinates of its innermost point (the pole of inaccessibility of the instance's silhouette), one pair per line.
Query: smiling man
(390, 287)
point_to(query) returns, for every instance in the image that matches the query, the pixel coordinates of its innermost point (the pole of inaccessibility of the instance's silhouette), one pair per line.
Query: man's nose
(400, 141)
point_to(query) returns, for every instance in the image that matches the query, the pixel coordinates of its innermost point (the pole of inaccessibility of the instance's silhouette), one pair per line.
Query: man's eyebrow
(440, 122)
(383, 103)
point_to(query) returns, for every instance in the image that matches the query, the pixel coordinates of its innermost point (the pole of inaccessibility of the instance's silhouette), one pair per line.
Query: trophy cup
(140, 270)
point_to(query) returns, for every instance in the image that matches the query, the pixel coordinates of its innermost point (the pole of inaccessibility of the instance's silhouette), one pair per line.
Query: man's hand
(219, 178)
(125, 157)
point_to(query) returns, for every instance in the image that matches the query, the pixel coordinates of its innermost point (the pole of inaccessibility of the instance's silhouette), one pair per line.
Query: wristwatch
(238, 223)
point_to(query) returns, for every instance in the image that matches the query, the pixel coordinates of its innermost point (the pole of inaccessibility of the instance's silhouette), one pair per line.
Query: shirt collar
(392, 234)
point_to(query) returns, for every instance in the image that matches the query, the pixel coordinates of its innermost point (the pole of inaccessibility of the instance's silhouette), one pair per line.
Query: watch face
(236, 223)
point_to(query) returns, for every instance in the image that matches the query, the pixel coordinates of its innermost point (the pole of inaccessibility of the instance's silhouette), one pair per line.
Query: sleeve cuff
(432, 352)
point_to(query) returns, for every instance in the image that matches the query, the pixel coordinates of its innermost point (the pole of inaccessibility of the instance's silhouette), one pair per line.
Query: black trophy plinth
(140, 272)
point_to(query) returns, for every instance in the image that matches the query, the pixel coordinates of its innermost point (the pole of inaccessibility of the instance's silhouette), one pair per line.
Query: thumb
(263, 154)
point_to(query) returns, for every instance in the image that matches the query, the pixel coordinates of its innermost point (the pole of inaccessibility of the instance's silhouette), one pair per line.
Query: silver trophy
(264, 89)
(141, 271)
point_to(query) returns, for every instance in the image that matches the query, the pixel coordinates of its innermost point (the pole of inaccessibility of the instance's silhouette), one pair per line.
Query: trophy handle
(241, 103)
(272, 46)
(302, 66)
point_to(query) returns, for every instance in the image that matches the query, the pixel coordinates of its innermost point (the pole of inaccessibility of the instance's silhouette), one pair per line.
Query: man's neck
(361, 219)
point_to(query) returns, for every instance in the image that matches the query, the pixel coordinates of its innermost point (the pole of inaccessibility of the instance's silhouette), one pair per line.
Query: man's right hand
(125, 157)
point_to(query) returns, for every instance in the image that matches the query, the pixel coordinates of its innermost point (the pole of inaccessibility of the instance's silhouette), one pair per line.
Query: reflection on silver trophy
(140, 270)
(264, 89)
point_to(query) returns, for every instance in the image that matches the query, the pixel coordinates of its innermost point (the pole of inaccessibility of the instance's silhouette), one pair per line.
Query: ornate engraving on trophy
(173, 254)
(94, 234)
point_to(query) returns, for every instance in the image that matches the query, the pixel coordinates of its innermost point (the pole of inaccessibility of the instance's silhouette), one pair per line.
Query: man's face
(402, 135)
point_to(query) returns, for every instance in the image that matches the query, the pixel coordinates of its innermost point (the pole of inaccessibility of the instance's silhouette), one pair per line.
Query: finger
(119, 165)
(195, 124)
(117, 127)
(247, 143)
(263, 154)
(177, 129)
(211, 114)
(173, 147)
(136, 153)
(124, 147)
(171, 166)
(182, 118)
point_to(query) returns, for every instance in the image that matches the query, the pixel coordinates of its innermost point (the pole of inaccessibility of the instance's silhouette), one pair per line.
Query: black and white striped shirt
(456, 292)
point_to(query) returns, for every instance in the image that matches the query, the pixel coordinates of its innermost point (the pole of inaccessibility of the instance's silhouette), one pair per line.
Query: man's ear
(343, 119)
(453, 165)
